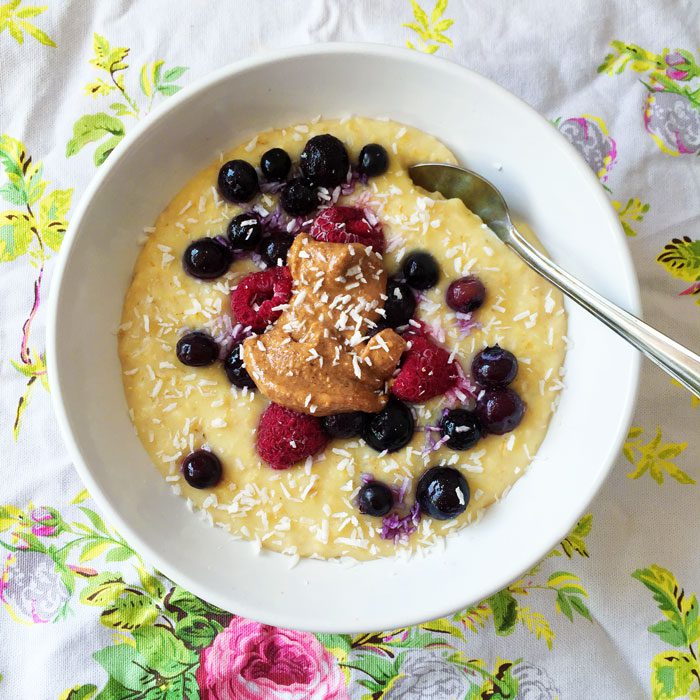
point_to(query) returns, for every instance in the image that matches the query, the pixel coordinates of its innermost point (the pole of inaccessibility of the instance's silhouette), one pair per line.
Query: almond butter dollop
(316, 358)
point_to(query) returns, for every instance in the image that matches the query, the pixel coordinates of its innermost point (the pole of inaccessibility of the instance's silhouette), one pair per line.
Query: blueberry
(400, 304)
(494, 367)
(465, 294)
(298, 197)
(201, 469)
(197, 349)
(375, 498)
(343, 425)
(206, 259)
(238, 181)
(499, 410)
(275, 165)
(461, 428)
(443, 493)
(275, 248)
(324, 161)
(235, 369)
(374, 160)
(391, 428)
(421, 270)
(245, 231)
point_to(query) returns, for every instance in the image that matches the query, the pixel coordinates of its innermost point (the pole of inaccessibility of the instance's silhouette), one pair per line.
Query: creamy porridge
(326, 346)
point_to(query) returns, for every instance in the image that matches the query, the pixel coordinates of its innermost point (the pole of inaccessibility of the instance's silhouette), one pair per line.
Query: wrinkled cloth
(611, 613)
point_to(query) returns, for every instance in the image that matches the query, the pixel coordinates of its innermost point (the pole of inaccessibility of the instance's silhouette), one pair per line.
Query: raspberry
(286, 437)
(425, 371)
(255, 300)
(347, 225)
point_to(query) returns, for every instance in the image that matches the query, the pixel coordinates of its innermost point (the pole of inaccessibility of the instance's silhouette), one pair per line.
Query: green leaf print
(654, 457)
(182, 602)
(96, 521)
(151, 584)
(16, 235)
(83, 495)
(81, 692)
(107, 58)
(109, 129)
(25, 183)
(9, 517)
(126, 666)
(505, 612)
(569, 594)
(680, 610)
(148, 76)
(95, 127)
(575, 541)
(13, 18)
(130, 611)
(383, 672)
(335, 643)
(475, 618)
(507, 609)
(172, 74)
(163, 651)
(116, 691)
(103, 589)
(197, 632)
(184, 686)
(53, 217)
(35, 230)
(499, 684)
(125, 607)
(673, 675)
(536, 623)
(444, 626)
(98, 87)
(430, 30)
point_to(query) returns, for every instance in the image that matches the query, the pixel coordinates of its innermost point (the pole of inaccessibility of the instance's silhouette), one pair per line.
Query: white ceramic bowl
(544, 180)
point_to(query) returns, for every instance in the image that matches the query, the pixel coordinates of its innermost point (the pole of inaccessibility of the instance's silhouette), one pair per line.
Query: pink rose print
(251, 661)
(678, 66)
(673, 122)
(590, 138)
(45, 522)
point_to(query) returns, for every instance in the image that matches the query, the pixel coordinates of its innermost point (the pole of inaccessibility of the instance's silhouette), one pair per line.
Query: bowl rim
(266, 57)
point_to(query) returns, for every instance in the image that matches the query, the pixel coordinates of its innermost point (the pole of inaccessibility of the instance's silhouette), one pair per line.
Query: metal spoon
(486, 201)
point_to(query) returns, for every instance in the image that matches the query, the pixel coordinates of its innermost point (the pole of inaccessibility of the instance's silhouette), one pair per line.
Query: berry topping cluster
(260, 300)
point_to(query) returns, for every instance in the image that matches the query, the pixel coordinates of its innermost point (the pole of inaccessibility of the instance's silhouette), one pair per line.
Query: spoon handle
(682, 364)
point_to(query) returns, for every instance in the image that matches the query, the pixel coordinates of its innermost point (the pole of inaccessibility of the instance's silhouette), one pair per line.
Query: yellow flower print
(14, 19)
(429, 30)
(654, 457)
(630, 214)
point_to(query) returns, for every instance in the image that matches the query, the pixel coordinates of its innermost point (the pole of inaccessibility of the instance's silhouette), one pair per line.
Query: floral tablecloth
(610, 613)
